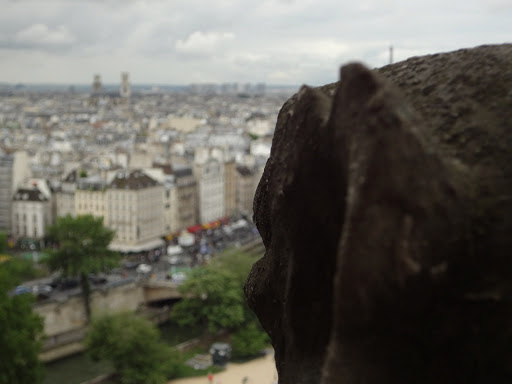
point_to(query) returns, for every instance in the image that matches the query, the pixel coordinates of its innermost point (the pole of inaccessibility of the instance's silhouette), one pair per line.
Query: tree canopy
(133, 345)
(82, 245)
(249, 340)
(82, 248)
(214, 298)
(3, 241)
(21, 332)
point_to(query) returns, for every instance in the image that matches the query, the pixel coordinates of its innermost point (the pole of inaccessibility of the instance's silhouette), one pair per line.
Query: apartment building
(91, 197)
(246, 188)
(134, 210)
(14, 169)
(65, 196)
(186, 191)
(163, 173)
(210, 192)
(32, 213)
(230, 177)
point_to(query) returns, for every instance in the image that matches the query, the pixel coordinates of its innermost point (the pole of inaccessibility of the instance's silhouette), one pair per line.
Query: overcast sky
(273, 41)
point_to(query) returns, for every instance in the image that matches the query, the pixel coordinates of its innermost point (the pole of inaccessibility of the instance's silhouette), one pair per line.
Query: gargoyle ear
(404, 217)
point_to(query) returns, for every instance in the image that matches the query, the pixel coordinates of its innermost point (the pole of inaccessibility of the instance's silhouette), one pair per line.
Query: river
(79, 368)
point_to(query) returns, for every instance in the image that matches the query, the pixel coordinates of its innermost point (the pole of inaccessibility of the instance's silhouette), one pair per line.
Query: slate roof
(243, 170)
(182, 170)
(166, 168)
(72, 176)
(24, 194)
(132, 180)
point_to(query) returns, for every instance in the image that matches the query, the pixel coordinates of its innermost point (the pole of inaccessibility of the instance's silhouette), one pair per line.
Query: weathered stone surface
(386, 213)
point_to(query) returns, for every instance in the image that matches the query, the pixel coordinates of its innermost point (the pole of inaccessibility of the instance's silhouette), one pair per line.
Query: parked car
(97, 278)
(42, 291)
(131, 264)
(64, 282)
(20, 290)
(144, 268)
(221, 353)
(178, 277)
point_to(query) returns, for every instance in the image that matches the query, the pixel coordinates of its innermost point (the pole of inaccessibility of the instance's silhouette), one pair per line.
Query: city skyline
(288, 42)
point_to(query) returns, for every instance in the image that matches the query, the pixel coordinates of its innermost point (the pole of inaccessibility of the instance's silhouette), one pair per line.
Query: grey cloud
(203, 44)
(40, 37)
(293, 41)
(40, 34)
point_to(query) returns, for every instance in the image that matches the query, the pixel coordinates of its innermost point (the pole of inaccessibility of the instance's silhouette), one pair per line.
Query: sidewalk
(257, 371)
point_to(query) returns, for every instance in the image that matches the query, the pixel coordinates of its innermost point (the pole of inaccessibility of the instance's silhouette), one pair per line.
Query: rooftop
(135, 179)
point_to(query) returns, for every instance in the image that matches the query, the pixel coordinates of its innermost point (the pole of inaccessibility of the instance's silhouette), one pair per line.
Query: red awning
(214, 224)
(194, 228)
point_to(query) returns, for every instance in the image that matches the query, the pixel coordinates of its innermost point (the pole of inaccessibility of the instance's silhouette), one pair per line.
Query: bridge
(64, 317)
(156, 290)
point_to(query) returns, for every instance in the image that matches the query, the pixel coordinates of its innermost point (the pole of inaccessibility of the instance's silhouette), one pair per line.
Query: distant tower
(125, 85)
(96, 84)
(260, 88)
(391, 54)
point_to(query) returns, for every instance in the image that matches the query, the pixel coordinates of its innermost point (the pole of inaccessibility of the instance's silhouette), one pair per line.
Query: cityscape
(136, 247)
(152, 163)
(171, 171)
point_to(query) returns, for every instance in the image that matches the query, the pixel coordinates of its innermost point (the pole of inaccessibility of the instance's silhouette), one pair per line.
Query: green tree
(133, 346)
(214, 298)
(249, 340)
(21, 332)
(82, 248)
(3, 242)
(22, 270)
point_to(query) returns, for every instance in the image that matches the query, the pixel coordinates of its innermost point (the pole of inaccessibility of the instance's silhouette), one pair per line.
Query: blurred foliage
(214, 298)
(82, 245)
(184, 371)
(3, 242)
(18, 270)
(250, 340)
(82, 248)
(21, 332)
(133, 345)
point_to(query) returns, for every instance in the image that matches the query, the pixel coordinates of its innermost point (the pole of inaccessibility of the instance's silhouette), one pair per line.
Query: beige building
(65, 197)
(14, 170)
(91, 197)
(32, 213)
(247, 181)
(172, 224)
(163, 174)
(186, 190)
(183, 124)
(141, 159)
(230, 177)
(210, 190)
(134, 210)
